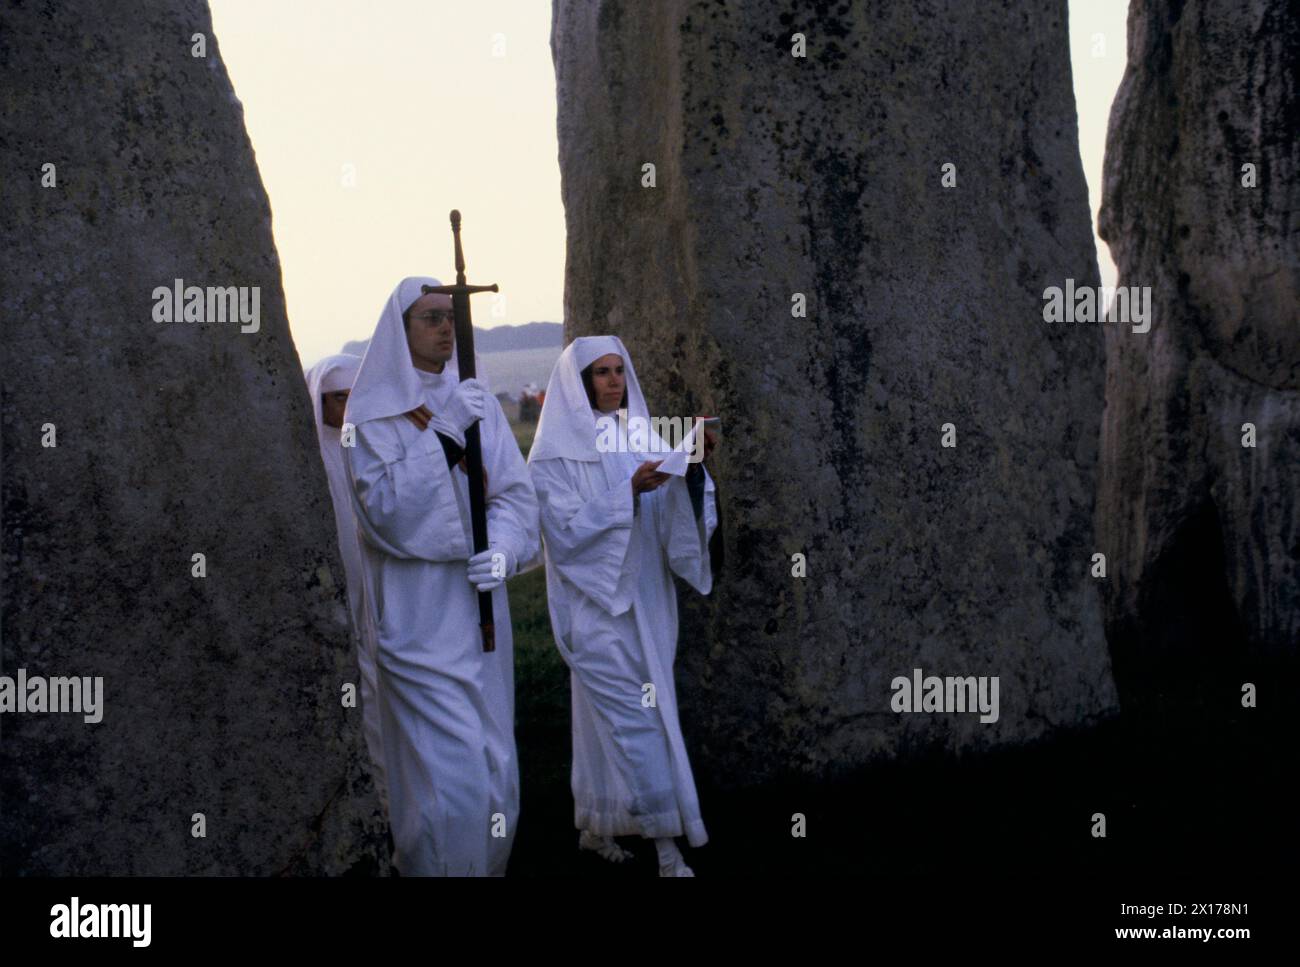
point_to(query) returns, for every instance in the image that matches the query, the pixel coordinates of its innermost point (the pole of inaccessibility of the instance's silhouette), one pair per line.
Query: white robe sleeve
(684, 537)
(511, 501)
(587, 541)
(405, 495)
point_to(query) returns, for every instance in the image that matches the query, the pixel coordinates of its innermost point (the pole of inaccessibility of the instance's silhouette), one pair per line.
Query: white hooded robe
(609, 565)
(330, 375)
(446, 706)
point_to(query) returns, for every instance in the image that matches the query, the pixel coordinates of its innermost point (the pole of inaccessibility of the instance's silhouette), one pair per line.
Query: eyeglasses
(437, 316)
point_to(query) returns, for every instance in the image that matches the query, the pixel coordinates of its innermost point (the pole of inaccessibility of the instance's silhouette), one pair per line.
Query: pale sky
(411, 94)
(437, 105)
(1098, 53)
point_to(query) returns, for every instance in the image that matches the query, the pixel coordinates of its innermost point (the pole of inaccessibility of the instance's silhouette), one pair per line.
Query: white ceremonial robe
(609, 567)
(331, 374)
(446, 706)
(363, 629)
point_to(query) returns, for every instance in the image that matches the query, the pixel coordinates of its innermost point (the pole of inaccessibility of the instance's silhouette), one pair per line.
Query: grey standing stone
(1203, 533)
(222, 695)
(821, 175)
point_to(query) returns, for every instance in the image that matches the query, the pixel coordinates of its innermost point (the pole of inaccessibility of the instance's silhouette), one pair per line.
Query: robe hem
(623, 823)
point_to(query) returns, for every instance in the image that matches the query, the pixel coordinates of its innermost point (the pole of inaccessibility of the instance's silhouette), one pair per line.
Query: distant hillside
(500, 339)
(531, 335)
(510, 371)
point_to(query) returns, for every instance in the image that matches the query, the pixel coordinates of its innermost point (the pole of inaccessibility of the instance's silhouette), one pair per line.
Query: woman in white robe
(329, 382)
(446, 706)
(610, 554)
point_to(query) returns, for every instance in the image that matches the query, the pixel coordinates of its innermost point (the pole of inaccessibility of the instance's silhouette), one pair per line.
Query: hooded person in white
(329, 382)
(614, 532)
(446, 706)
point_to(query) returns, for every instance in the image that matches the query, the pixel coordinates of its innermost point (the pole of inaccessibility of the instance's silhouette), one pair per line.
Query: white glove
(468, 403)
(489, 569)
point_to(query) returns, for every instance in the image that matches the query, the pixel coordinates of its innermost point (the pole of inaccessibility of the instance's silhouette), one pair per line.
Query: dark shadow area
(1186, 790)
(1185, 652)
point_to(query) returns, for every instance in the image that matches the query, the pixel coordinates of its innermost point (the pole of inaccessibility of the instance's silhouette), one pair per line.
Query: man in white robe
(329, 383)
(614, 531)
(446, 706)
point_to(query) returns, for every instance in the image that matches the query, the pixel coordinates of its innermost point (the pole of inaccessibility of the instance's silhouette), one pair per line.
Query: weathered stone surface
(1203, 533)
(221, 694)
(779, 175)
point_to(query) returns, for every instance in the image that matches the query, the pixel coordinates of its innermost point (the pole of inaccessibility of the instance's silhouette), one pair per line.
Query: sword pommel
(460, 256)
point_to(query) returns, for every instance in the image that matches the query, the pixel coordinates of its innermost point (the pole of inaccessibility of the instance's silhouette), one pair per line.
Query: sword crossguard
(458, 289)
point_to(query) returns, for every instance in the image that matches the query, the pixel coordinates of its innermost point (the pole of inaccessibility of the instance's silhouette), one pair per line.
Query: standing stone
(221, 694)
(1203, 532)
(822, 175)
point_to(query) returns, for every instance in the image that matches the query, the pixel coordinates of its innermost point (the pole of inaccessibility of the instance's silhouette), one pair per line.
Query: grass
(524, 433)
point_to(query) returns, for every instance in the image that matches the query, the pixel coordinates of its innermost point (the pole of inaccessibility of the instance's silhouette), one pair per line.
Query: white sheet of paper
(676, 463)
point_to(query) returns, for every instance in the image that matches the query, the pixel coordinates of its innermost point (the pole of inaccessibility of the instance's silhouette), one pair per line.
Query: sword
(460, 293)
